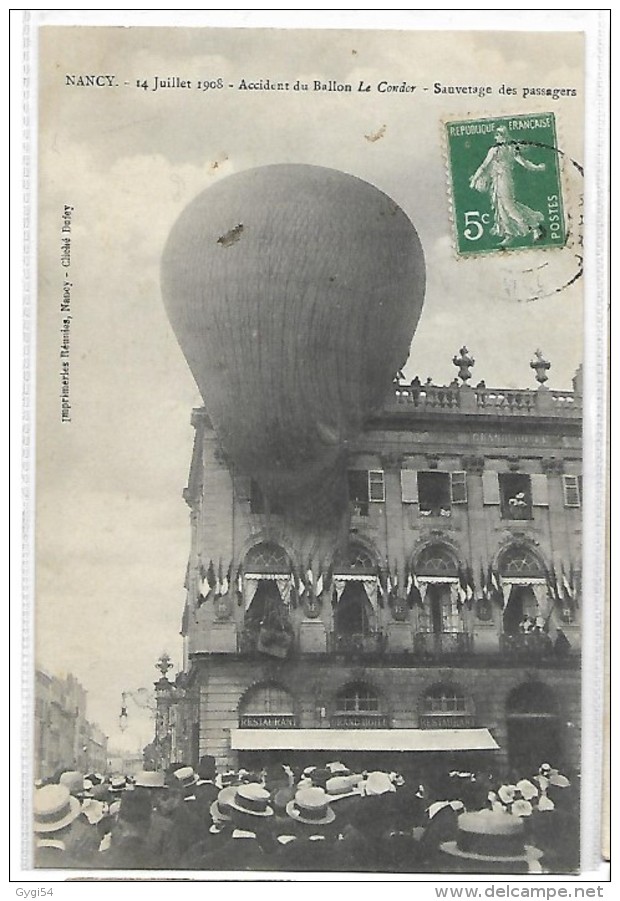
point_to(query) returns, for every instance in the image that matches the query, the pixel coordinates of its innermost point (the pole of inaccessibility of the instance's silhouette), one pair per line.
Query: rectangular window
(376, 486)
(572, 491)
(458, 487)
(366, 486)
(515, 495)
(434, 493)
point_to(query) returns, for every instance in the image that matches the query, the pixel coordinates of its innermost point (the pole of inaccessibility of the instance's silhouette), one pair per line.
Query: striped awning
(362, 740)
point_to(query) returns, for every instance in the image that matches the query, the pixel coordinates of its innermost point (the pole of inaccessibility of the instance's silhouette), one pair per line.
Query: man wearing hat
(55, 810)
(311, 848)
(202, 853)
(83, 838)
(180, 805)
(251, 845)
(206, 790)
(128, 847)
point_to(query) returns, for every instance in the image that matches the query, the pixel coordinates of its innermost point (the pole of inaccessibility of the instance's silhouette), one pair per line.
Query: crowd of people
(322, 819)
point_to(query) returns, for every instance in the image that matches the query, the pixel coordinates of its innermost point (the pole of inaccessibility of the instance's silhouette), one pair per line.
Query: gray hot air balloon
(294, 292)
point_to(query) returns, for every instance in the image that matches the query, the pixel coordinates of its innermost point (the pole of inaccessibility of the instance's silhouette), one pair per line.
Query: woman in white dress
(495, 177)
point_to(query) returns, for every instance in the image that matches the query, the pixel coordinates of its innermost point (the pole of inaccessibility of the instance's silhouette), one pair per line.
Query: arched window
(267, 557)
(436, 567)
(520, 561)
(267, 706)
(356, 558)
(446, 706)
(358, 706)
(436, 560)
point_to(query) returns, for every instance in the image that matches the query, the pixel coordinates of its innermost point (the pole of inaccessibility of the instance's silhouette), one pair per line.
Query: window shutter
(540, 490)
(376, 486)
(490, 488)
(572, 495)
(458, 487)
(409, 486)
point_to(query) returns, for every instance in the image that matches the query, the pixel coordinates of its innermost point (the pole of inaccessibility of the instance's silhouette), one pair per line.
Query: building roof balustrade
(480, 400)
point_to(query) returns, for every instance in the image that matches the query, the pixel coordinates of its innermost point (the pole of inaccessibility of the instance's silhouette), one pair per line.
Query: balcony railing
(527, 646)
(373, 643)
(359, 721)
(268, 721)
(434, 644)
(503, 401)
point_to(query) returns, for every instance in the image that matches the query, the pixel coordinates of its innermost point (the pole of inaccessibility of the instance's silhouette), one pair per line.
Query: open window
(515, 491)
(439, 491)
(366, 486)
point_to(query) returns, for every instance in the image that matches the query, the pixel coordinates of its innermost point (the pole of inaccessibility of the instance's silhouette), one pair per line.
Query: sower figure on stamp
(495, 178)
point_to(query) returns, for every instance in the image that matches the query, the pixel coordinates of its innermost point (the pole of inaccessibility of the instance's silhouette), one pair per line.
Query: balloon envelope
(294, 292)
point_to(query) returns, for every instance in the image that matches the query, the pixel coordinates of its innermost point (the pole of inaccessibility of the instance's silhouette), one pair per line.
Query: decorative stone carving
(473, 463)
(464, 362)
(540, 366)
(222, 606)
(552, 466)
(432, 460)
(391, 460)
(514, 463)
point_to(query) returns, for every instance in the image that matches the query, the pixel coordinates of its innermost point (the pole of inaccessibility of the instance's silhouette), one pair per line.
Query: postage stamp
(505, 183)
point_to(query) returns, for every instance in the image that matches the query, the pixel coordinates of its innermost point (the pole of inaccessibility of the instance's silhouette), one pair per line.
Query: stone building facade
(440, 615)
(64, 739)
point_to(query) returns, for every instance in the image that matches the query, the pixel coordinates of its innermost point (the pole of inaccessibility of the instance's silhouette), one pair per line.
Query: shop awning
(362, 740)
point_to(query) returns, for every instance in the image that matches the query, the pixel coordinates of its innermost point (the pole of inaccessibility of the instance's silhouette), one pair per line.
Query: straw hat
(342, 787)
(311, 806)
(220, 808)
(149, 779)
(54, 808)
(253, 799)
(186, 776)
(377, 783)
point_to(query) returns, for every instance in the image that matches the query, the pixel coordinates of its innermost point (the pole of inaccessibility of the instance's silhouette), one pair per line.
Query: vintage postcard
(310, 592)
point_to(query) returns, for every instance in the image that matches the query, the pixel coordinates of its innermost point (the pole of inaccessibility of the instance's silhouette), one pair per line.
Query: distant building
(439, 616)
(63, 737)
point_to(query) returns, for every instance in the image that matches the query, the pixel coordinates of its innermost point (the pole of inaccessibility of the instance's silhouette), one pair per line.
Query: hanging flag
(210, 577)
(226, 580)
(408, 582)
(301, 585)
(575, 587)
(309, 576)
(493, 587)
(329, 578)
(239, 586)
(470, 588)
(203, 585)
(566, 585)
(484, 585)
(414, 595)
(293, 596)
(319, 585)
(219, 579)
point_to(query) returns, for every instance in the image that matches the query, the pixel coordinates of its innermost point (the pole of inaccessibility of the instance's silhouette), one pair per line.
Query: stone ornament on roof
(540, 366)
(464, 362)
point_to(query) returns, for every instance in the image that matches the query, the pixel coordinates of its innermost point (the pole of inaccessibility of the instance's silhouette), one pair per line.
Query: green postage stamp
(505, 183)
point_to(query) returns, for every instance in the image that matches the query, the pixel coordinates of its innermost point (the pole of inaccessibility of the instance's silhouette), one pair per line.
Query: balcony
(528, 646)
(357, 644)
(359, 721)
(442, 644)
(268, 721)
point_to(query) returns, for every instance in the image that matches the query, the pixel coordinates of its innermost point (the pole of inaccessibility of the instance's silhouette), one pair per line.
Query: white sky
(112, 531)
